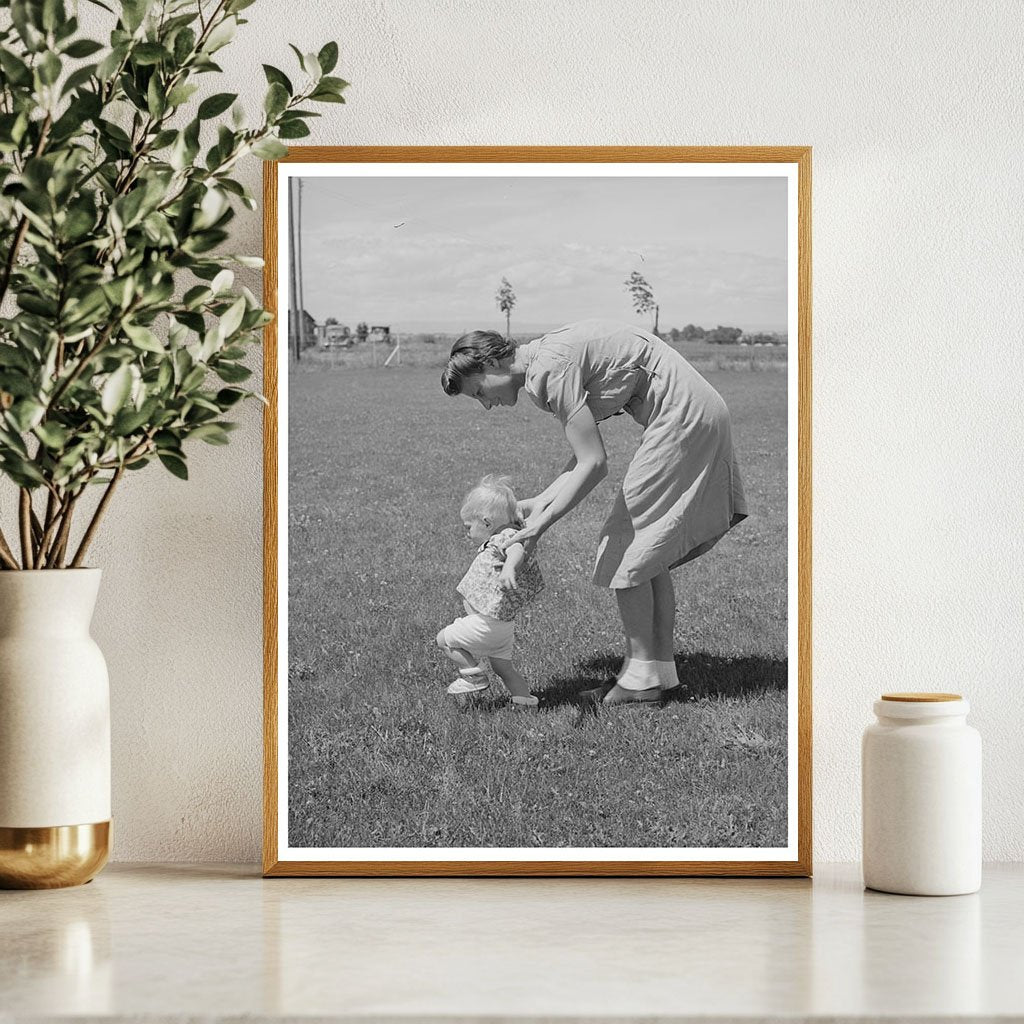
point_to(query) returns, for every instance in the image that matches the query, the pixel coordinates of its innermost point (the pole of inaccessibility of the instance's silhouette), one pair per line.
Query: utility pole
(295, 239)
(293, 274)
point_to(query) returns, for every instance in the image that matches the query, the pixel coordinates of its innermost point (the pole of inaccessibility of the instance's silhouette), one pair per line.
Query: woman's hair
(491, 499)
(468, 356)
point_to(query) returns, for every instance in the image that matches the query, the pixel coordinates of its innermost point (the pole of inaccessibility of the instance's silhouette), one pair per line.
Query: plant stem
(25, 522)
(60, 544)
(6, 555)
(50, 525)
(97, 516)
(37, 530)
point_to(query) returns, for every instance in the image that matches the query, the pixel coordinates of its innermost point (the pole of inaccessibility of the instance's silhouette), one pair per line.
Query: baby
(498, 584)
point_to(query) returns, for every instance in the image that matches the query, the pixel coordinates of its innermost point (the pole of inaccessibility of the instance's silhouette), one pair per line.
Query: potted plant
(122, 340)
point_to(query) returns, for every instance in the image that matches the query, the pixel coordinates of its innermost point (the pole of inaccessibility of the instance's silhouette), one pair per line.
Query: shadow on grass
(701, 675)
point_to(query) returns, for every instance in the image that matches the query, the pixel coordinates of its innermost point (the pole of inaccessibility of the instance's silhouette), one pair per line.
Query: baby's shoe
(471, 680)
(526, 702)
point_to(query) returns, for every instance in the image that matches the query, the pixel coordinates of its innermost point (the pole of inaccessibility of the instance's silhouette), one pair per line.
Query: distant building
(293, 329)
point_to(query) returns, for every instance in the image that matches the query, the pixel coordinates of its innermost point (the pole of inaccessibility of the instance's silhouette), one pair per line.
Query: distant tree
(691, 332)
(506, 299)
(330, 320)
(674, 334)
(362, 330)
(643, 296)
(725, 335)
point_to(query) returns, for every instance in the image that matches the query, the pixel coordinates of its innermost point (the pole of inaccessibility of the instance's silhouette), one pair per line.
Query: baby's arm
(514, 555)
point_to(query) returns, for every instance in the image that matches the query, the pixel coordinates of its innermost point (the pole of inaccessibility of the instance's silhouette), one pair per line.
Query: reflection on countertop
(178, 941)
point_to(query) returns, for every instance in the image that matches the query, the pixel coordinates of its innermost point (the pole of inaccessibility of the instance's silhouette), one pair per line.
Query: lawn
(380, 756)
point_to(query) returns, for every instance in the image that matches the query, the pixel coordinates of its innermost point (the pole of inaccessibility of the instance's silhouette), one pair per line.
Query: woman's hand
(526, 508)
(527, 537)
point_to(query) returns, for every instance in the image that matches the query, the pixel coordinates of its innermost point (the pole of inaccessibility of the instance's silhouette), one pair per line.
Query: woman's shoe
(618, 696)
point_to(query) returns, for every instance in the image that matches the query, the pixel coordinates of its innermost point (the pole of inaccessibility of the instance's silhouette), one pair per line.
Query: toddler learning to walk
(500, 582)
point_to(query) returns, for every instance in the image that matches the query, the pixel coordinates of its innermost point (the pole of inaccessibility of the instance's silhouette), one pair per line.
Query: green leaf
(133, 12)
(181, 94)
(232, 319)
(78, 78)
(232, 373)
(216, 104)
(222, 282)
(83, 48)
(293, 130)
(276, 99)
(334, 84)
(328, 57)
(227, 397)
(211, 433)
(221, 35)
(26, 414)
(184, 44)
(53, 435)
(323, 96)
(175, 464)
(25, 16)
(143, 338)
(311, 65)
(269, 149)
(193, 379)
(234, 6)
(21, 471)
(276, 76)
(49, 68)
(128, 421)
(16, 70)
(116, 390)
(156, 100)
(149, 53)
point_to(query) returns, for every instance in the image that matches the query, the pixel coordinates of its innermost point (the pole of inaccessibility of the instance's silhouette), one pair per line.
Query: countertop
(180, 941)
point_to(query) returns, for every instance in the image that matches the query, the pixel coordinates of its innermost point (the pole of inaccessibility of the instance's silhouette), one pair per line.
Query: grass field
(380, 756)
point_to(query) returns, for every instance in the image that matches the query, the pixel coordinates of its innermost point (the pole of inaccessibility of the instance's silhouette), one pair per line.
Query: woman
(681, 493)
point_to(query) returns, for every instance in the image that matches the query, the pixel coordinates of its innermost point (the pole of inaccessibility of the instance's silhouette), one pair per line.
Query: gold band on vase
(52, 857)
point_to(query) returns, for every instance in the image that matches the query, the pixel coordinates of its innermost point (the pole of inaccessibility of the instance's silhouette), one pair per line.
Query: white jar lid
(921, 705)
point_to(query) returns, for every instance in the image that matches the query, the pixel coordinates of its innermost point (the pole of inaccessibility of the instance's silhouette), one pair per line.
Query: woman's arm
(588, 467)
(529, 507)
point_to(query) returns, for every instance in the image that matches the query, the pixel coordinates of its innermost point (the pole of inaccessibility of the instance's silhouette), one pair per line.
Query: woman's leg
(664, 617)
(636, 609)
(664, 629)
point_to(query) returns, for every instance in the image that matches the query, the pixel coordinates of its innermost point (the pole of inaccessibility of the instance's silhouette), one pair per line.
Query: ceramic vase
(54, 731)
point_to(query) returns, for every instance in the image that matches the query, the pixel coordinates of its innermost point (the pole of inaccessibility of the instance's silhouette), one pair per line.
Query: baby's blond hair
(492, 499)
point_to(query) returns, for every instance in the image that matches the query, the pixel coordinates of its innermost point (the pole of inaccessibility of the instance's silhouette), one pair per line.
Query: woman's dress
(682, 491)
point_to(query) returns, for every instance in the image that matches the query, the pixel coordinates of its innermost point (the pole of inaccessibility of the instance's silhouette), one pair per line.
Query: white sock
(640, 675)
(667, 674)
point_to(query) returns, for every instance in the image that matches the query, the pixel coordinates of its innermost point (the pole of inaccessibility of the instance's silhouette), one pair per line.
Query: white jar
(921, 779)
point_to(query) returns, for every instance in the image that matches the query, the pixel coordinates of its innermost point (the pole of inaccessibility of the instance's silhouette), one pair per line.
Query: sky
(429, 253)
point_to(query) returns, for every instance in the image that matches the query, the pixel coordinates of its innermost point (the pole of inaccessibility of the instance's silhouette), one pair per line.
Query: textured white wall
(913, 110)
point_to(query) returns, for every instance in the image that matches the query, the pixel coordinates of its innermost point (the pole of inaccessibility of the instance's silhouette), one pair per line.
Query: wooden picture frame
(279, 860)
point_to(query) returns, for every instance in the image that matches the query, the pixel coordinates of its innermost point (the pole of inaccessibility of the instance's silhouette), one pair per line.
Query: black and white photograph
(537, 513)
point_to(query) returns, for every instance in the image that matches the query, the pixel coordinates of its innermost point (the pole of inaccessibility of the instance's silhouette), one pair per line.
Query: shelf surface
(180, 941)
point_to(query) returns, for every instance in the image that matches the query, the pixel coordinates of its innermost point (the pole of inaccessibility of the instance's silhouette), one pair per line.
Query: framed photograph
(538, 511)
